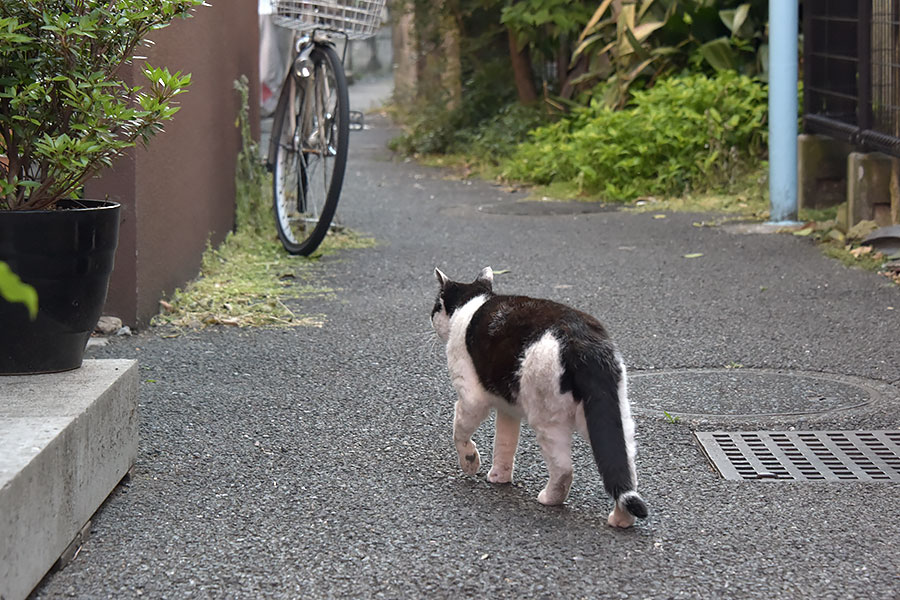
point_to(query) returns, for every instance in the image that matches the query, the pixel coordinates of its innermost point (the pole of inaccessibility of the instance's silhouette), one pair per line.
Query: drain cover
(804, 455)
(732, 393)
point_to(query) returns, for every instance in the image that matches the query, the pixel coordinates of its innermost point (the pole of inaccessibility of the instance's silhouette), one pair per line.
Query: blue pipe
(783, 20)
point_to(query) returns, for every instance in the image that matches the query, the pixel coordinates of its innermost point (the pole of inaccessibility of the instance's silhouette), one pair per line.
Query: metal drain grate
(804, 455)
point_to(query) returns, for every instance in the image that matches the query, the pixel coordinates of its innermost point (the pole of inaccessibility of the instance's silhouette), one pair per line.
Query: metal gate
(851, 71)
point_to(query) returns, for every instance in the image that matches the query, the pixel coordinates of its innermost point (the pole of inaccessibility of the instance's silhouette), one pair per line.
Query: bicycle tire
(309, 166)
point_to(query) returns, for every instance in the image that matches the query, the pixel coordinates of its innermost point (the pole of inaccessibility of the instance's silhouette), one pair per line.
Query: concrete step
(66, 440)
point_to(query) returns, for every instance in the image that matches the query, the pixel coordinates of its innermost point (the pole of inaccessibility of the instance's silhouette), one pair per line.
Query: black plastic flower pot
(67, 255)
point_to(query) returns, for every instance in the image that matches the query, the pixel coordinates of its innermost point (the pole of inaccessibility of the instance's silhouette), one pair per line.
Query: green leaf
(12, 289)
(636, 46)
(735, 18)
(719, 54)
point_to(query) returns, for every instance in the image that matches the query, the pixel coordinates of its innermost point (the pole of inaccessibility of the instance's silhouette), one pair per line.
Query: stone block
(821, 170)
(869, 185)
(895, 191)
(66, 440)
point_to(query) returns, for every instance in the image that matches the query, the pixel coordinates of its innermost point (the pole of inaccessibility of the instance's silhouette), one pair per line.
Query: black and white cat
(548, 363)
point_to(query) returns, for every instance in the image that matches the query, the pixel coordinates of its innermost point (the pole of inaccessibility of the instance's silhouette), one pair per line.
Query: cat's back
(503, 329)
(521, 320)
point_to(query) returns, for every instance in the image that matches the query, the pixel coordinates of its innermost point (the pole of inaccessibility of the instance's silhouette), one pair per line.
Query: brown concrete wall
(179, 192)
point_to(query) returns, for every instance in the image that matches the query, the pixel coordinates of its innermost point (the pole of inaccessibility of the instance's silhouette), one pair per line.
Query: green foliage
(13, 289)
(685, 133)
(498, 136)
(430, 128)
(543, 24)
(649, 39)
(253, 207)
(692, 135)
(620, 47)
(64, 111)
(487, 140)
(674, 420)
(744, 49)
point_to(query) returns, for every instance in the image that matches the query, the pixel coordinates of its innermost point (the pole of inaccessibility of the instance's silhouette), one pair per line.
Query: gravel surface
(318, 462)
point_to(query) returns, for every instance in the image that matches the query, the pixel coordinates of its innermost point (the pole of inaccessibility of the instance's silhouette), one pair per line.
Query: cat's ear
(441, 278)
(486, 276)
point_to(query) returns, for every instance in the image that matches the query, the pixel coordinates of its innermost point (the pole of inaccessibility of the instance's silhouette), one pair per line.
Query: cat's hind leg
(468, 414)
(556, 446)
(506, 440)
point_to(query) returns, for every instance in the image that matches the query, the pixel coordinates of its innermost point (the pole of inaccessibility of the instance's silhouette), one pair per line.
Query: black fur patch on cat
(456, 294)
(505, 326)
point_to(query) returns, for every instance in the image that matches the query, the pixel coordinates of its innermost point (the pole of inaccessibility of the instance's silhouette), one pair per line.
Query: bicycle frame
(302, 70)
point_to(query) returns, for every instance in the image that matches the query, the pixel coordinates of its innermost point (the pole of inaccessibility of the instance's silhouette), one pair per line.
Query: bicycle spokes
(312, 153)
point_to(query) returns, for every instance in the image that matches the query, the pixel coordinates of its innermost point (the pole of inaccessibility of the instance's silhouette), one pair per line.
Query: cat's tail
(602, 388)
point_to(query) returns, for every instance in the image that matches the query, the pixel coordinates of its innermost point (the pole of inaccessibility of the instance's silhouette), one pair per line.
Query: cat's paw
(556, 491)
(470, 460)
(500, 474)
(550, 498)
(620, 518)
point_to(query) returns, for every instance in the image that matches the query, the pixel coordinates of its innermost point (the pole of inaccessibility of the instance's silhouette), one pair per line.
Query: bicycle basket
(357, 19)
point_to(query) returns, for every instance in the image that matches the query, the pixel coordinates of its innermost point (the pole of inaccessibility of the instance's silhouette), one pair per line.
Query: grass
(247, 281)
(746, 197)
(671, 418)
(827, 227)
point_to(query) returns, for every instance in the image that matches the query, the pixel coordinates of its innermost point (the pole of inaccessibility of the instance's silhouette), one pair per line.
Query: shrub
(433, 129)
(487, 140)
(497, 137)
(685, 133)
(64, 111)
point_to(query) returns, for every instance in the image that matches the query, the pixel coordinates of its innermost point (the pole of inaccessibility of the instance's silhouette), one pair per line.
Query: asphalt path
(318, 462)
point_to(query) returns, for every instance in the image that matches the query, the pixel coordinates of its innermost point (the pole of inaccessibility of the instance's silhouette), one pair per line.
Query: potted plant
(65, 113)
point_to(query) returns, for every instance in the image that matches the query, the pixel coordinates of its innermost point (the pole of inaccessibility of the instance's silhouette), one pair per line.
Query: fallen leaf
(861, 251)
(804, 232)
(836, 235)
(659, 216)
(166, 306)
(694, 255)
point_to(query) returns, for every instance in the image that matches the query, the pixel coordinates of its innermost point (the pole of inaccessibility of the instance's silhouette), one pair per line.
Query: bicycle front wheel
(313, 130)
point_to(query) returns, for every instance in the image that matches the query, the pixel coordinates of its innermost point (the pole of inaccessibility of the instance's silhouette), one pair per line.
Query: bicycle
(311, 124)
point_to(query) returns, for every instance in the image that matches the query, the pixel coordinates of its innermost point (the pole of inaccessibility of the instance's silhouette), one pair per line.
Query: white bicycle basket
(357, 19)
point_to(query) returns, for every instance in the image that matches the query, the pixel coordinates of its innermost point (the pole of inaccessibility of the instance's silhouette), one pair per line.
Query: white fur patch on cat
(627, 421)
